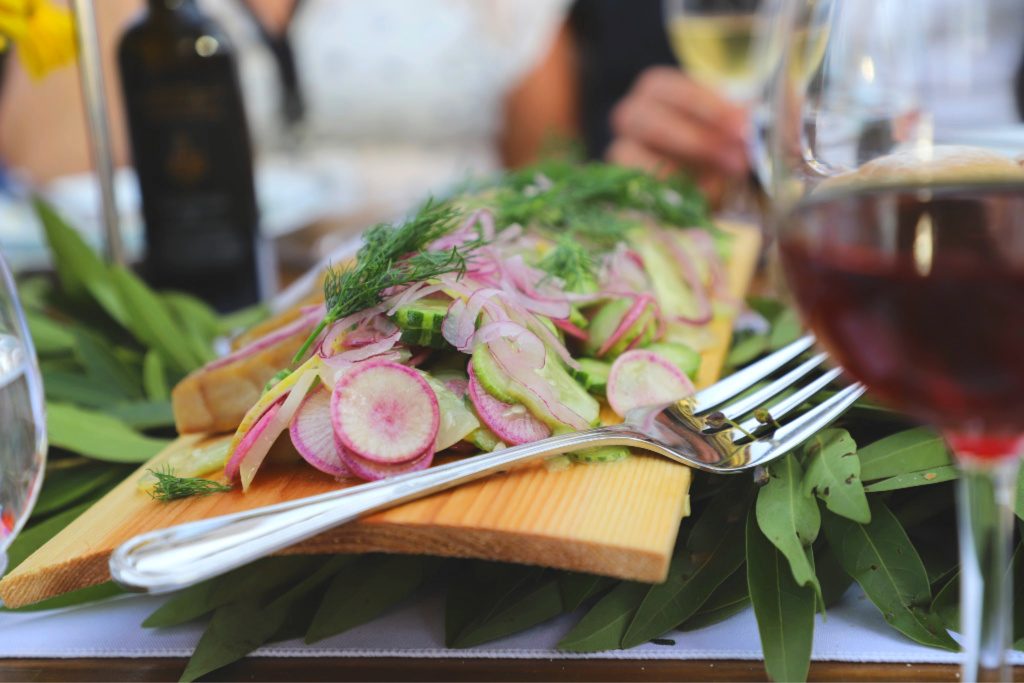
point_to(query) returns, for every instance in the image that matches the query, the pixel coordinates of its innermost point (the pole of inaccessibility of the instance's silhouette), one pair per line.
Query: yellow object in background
(42, 33)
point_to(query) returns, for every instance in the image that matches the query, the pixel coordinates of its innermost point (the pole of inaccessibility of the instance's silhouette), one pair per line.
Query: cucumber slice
(593, 375)
(605, 454)
(425, 314)
(681, 355)
(567, 390)
(491, 377)
(604, 323)
(485, 439)
(430, 338)
(578, 319)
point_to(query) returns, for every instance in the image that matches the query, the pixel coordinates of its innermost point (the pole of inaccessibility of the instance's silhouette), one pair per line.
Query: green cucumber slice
(605, 454)
(593, 375)
(425, 314)
(681, 355)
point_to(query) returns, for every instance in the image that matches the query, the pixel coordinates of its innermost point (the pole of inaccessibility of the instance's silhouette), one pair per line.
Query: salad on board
(497, 317)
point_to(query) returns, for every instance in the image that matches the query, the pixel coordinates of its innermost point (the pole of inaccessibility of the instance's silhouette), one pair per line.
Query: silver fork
(700, 432)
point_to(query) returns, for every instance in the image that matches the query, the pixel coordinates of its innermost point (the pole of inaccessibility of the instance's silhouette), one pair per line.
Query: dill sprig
(585, 198)
(392, 256)
(169, 486)
(573, 264)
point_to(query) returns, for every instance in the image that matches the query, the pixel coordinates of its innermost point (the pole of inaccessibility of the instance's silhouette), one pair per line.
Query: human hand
(669, 122)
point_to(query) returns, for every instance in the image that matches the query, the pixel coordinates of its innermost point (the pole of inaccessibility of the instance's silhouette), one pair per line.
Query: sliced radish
(457, 386)
(512, 423)
(571, 330)
(644, 378)
(313, 436)
(370, 470)
(385, 412)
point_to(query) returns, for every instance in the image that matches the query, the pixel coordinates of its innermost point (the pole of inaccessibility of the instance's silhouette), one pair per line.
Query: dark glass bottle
(191, 149)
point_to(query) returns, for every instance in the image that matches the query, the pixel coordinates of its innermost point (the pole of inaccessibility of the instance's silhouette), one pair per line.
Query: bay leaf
(789, 517)
(833, 474)
(604, 625)
(48, 336)
(75, 387)
(833, 578)
(786, 328)
(144, 414)
(731, 597)
(577, 588)
(713, 551)
(104, 368)
(907, 480)
(65, 486)
(536, 603)
(97, 435)
(881, 558)
(784, 609)
(911, 450)
(248, 582)
(366, 589)
(154, 376)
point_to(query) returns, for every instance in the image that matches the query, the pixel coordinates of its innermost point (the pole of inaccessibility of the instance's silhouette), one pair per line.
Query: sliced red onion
(305, 322)
(690, 274)
(571, 330)
(633, 313)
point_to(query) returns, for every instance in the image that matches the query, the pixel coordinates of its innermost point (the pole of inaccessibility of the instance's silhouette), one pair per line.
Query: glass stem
(987, 489)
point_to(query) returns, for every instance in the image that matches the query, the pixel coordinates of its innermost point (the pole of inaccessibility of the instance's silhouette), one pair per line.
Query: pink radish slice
(385, 412)
(644, 378)
(571, 330)
(513, 424)
(245, 445)
(313, 436)
(633, 314)
(278, 423)
(369, 470)
(459, 387)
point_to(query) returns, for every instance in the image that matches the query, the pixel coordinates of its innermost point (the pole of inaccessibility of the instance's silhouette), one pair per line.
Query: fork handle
(177, 557)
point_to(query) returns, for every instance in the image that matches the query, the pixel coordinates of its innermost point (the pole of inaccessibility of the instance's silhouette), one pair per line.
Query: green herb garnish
(169, 486)
(573, 264)
(392, 256)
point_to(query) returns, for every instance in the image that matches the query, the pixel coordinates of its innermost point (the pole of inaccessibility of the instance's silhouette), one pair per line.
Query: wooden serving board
(618, 519)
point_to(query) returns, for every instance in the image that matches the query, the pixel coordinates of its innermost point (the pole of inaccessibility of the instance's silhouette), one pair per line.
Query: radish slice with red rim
(644, 378)
(633, 314)
(385, 412)
(511, 423)
(370, 470)
(313, 435)
(245, 445)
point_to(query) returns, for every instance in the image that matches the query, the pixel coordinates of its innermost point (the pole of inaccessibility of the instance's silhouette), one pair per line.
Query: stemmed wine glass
(22, 417)
(735, 47)
(900, 220)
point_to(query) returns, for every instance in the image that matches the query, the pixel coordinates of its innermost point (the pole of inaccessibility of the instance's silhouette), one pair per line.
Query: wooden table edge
(458, 669)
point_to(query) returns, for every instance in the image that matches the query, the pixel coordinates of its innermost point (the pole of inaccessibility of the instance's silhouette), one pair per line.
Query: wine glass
(22, 417)
(899, 204)
(735, 47)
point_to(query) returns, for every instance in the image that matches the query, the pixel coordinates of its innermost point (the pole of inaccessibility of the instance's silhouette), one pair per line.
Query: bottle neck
(166, 6)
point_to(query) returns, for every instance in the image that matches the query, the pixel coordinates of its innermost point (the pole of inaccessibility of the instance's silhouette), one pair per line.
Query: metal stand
(90, 67)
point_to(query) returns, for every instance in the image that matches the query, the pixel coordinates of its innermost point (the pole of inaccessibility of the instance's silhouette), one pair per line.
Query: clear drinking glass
(22, 417)
(735, 47)
(899, 201)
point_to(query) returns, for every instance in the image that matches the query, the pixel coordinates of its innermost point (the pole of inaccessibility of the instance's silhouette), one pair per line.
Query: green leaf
(79, 269)
(789, 517)
(536, 602)
(66, 486)
(935, 475)
(713, 551)
(833, 474)
(577, 588)
(786, 328)
(150, 321)
(366, 589)
(49, 336)
(103, 368)
(731, 597)
(244, 583)
(946, 605)
(98, 436)
(240, 627)
(75, 387)
(74, 598)
(1018, 506)
(907, 451)
(745, 349)
(881, 558)
(144, 414)
(833, 578)
(154, 377)
(784, 610)
(603, 627)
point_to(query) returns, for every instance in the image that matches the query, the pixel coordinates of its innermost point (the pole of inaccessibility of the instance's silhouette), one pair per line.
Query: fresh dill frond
(573, 264)
(392, 256)
(169, 486)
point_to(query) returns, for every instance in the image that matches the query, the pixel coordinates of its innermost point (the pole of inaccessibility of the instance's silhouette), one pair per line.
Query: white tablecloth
(854, 631)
